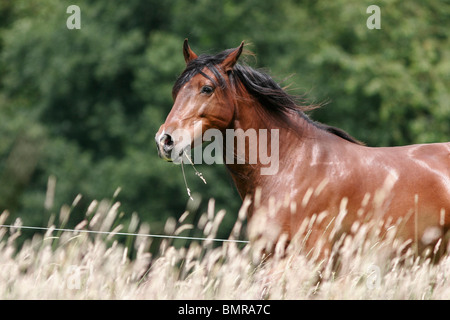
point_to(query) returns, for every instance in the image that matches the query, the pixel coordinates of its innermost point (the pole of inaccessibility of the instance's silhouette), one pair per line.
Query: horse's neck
(282, 140)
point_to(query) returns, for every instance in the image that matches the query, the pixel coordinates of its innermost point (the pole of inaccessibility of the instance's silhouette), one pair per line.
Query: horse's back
(430, 159)
(422, 181)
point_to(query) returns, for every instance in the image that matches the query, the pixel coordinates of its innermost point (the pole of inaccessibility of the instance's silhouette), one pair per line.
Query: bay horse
(322, 170)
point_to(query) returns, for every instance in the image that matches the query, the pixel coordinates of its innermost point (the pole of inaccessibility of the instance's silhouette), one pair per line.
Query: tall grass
(75, 265)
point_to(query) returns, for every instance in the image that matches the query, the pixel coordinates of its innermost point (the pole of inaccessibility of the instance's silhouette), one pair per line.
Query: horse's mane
(270, 95)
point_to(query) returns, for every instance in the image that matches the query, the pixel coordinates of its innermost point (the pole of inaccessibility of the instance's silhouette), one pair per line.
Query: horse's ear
(229, 62)
(189, 55)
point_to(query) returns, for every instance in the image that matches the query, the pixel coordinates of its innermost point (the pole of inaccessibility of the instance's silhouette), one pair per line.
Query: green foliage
(84, 105)
(388, 86)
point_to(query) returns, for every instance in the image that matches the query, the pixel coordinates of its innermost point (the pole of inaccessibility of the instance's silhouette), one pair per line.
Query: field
(81, 265)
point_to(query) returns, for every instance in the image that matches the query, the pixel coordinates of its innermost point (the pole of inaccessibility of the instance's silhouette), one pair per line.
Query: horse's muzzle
(164, 144)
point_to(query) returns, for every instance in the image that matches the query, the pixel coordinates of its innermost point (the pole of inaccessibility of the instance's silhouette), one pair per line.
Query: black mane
(196, 66)
(258, 84)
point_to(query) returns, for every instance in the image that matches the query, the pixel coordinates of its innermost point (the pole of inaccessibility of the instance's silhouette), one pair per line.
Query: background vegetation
(81, 107)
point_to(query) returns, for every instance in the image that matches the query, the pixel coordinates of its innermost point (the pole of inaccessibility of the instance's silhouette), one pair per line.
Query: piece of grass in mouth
(197, 173)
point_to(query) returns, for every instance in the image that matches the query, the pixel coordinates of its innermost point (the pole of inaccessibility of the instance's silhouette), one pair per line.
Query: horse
(321, 170)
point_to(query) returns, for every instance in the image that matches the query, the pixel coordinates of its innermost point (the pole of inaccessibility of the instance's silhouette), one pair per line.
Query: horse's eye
(207, 90)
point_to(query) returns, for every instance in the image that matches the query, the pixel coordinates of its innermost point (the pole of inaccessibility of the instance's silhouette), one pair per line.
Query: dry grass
(71, 265)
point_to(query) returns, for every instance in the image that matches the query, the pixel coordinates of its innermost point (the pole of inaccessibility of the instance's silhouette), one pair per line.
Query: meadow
(88, 265)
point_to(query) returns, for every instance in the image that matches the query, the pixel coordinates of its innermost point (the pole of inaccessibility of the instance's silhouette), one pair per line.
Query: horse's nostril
(166, 142)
